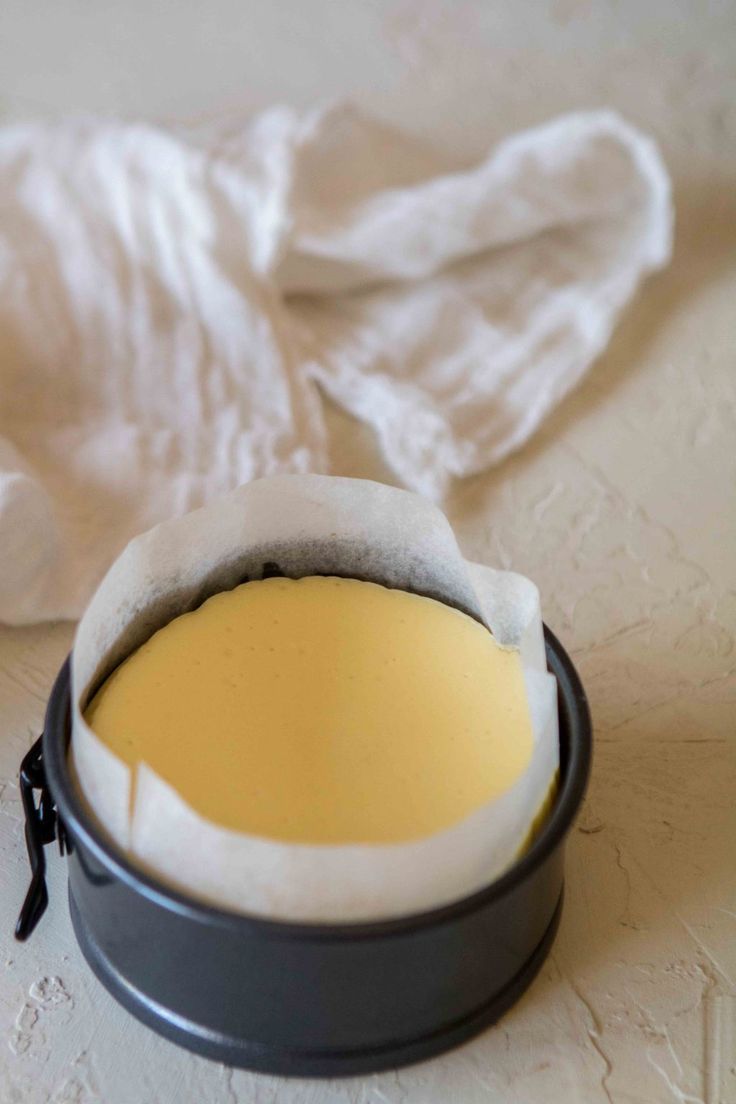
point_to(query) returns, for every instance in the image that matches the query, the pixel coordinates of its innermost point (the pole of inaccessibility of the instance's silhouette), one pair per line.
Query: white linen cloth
(171, 303)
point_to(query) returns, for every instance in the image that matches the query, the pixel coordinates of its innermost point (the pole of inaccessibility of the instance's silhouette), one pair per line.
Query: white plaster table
(623, 509)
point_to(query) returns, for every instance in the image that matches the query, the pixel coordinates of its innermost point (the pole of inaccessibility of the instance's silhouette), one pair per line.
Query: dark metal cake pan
(293, 998)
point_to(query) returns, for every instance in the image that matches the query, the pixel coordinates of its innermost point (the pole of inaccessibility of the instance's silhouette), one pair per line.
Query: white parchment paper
(304, 524)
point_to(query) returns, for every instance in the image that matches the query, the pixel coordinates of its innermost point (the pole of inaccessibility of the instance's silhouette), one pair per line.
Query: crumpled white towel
(169, 303)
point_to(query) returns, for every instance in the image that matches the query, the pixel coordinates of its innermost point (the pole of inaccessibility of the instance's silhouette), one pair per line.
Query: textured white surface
(622, 510)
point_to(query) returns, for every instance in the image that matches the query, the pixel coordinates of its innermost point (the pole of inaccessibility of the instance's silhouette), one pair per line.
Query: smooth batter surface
(322, 710)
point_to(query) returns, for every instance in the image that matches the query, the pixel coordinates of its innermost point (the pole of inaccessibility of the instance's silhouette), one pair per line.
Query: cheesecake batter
(322, 711)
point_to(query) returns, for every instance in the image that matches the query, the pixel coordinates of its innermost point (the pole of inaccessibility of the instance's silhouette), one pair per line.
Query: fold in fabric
(171, 305)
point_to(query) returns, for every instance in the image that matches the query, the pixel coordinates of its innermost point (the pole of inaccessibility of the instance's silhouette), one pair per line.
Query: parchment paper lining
(305, 525)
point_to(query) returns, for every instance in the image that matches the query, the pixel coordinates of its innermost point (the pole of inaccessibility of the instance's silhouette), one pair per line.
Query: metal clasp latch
(42, 826)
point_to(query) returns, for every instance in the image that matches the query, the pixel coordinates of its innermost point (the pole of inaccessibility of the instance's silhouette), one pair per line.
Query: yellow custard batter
(322, 710)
